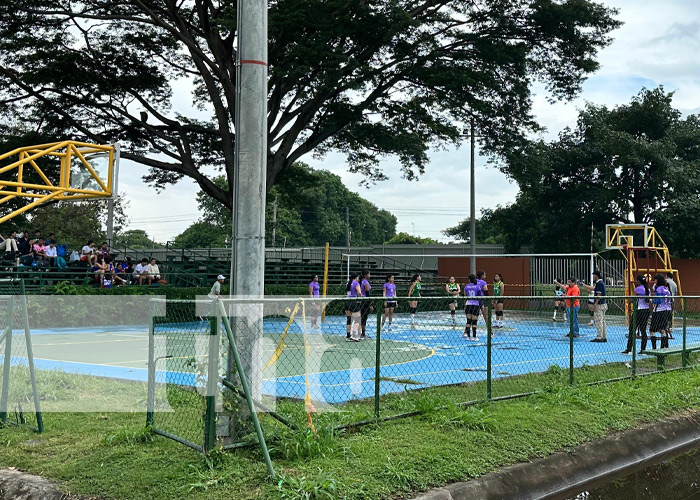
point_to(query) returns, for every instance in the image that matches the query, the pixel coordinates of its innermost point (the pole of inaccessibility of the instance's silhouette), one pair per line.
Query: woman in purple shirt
(390, 303)
(471, 307)
(315, 307)
(352, 308)
(661, 317)
(641, 317)
(367, 306)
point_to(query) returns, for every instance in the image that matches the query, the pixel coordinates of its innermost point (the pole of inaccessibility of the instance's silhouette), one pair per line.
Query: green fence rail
(340, 363)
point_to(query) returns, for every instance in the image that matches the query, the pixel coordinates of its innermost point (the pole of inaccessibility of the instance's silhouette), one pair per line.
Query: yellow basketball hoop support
(86, 172)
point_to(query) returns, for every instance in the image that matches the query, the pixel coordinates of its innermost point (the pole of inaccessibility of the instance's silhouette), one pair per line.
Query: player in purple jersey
(367, 306)
(483, 292)
(661, 317)
(390, 303)
(639, 328)
(352, 308)
(471, 307)
(315, 307)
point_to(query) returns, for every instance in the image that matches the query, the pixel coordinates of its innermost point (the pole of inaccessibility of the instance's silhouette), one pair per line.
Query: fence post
(488, 350)
(571, 341)
(212, 379)
(684, 356)
(633, 334)
(378, 360)
(150, 401)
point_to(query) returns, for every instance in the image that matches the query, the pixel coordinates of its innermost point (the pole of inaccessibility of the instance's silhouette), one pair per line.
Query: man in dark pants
(600, 306)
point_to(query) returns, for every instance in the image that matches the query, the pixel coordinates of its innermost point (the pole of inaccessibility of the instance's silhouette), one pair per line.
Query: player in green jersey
(453, 290)
(414, 295)
(499, 290)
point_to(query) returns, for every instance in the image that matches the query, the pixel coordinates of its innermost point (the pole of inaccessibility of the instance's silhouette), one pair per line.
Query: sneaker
(554, 319)
(349, 339)
(465, 336)
(389, 328)
(475, 339)
(596, 340)
(625, 352)
(590, 323)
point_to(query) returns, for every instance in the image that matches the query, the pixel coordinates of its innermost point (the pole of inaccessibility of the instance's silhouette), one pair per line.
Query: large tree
(310, 211)
(635, 163)
(368, 78)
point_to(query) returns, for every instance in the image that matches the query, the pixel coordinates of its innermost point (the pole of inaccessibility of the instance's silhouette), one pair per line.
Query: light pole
(472, 202)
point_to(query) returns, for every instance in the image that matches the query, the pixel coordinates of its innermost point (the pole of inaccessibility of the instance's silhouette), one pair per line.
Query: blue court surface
(430, 353)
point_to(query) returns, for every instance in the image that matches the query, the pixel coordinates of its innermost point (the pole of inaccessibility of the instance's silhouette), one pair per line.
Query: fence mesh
(19, 397)
(342, 361)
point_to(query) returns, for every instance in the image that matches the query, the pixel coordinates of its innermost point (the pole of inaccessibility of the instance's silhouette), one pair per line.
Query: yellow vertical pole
(325, 280)
(20, 169)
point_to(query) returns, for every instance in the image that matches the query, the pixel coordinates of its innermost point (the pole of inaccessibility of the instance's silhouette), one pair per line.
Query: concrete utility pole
(274, 222)
(249, 187)
(472, 203)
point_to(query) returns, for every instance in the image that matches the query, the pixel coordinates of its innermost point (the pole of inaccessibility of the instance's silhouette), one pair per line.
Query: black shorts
(390, 304)
(660, 320)
(352, 306)
(472, 310)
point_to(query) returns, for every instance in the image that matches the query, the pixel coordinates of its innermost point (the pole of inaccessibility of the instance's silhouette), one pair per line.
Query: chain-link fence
(342, 362)
(19, 397)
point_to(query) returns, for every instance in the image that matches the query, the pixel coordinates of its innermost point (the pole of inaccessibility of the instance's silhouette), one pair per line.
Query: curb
(564, 474)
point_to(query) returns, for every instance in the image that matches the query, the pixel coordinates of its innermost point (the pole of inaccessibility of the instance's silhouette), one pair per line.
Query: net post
(488, 349)
(684, 356)
(246, 391)
(150, 398)
(212, 379)
(7, 363)
(378, 360)
(571, 340)
(30, 358)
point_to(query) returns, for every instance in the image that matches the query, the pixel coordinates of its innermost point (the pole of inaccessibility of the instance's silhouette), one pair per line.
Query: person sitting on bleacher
(52, 252)
(104, 250)
(153, 272)
(88, 253)
(141, 271)
(40, 256)
(25, 249)
(9, 244)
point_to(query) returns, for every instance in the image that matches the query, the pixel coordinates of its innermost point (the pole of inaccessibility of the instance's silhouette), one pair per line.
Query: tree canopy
(635, 163)
(310, 211)
(368, 79)
(407, 239)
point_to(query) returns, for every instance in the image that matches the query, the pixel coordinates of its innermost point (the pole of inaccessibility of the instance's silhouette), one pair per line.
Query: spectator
(88, 253)
(141, 270)
(600, 306)
(153, 272)
(39, 251)
(673, 288)
(127, 266)
(107, 280)
(23, 244)
(215, 291)
(114, 271)
(9, 244)
(51, 237)
(52, 252)
(100, 268)
(104, 250)
(37, 235)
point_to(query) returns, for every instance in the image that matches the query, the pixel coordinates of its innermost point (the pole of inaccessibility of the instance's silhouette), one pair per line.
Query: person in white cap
(215, 291)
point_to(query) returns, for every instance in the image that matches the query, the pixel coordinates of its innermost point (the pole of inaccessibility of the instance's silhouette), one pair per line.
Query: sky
(659, 44)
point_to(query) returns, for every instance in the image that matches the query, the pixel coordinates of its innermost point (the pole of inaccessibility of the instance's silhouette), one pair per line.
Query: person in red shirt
(572, 290)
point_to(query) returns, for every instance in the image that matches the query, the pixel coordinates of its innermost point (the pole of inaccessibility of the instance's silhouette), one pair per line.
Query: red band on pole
(253, 61)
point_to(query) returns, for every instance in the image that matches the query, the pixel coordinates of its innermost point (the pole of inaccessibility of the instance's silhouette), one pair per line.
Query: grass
(114, 456)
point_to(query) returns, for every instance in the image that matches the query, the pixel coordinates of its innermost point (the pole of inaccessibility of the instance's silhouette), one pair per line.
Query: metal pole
(274, 222)
(347, 227)
(472, 202)
(325, 278)
(249, 183)
(110, 222)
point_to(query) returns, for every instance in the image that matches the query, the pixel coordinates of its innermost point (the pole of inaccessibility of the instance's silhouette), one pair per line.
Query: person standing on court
(572, 290)
(315, 307)
(600, 306)
(367, 306)
(483, 292)
(673, 288)
(215, 291)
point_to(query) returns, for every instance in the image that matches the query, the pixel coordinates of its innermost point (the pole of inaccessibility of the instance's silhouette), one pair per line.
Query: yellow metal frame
(66, 152)
(621, 237)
